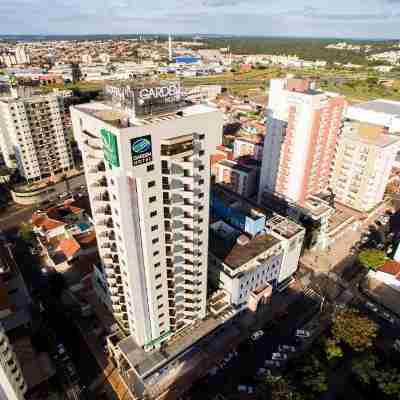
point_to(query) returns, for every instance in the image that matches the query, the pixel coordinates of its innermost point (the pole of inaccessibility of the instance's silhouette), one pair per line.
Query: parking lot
(227, 376)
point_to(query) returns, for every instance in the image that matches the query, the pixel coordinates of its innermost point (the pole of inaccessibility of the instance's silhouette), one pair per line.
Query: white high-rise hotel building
(147, 163)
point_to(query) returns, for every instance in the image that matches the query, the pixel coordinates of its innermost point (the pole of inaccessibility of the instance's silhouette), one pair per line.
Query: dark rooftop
(234, 254)
(235, 165)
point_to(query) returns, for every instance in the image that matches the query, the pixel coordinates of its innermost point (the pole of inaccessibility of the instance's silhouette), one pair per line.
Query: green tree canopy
(365, 367)
(332, 349)
(389, 381)
(315, 376)
(372, 259)
(357, 331)
(26, 232)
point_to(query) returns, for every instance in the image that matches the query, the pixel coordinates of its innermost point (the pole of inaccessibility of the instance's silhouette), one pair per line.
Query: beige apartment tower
(34, 135)
(364, 160)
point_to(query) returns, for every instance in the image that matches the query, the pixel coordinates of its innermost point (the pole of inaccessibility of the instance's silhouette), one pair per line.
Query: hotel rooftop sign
(145, 99)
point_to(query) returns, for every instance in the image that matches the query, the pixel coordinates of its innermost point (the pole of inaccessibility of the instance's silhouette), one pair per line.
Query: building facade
(248, 147)
(299, 148)
(148, 176)
(22, 54)
(12, 383)
(34, 137)
(363, 164)
(241, 179)
(250, 248)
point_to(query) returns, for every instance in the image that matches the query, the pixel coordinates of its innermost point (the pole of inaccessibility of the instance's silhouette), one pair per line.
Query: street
(12, 216)
(251, 355)
(45, 289)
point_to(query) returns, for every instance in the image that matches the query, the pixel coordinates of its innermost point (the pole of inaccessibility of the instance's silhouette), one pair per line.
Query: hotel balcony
(178, 237)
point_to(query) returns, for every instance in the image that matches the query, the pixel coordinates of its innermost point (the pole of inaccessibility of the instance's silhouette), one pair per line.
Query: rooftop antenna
(170, 48)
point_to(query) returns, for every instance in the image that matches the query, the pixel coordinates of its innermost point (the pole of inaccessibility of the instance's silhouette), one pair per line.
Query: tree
(372, 259)
(279, 387)
(315, 376)
(26, 232)
(388, 381)
(365, 367)
(355, 330)
(332, 349)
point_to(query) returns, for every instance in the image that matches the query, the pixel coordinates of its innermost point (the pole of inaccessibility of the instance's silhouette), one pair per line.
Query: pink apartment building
(299, 148)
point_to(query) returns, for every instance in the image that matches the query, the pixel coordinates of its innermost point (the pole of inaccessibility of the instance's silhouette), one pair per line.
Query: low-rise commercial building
(238, 177)
(250, 248)
(249, 146)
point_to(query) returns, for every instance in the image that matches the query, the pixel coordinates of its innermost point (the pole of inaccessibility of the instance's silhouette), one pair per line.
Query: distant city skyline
(371, 19)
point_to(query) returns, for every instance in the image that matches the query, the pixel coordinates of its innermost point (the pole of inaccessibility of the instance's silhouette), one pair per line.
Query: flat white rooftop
(381, 106)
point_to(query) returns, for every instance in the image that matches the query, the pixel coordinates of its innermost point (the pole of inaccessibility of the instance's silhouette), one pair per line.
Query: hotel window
(153, 214)
(150, 167)
(152, 199)
(154, 228)
(155, 240)
(151, 184)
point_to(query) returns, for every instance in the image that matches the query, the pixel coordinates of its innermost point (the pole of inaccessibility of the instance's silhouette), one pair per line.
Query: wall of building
(137, 213)
(239, 286)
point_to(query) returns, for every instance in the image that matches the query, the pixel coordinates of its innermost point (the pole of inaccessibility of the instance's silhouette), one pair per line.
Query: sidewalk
(110, 374)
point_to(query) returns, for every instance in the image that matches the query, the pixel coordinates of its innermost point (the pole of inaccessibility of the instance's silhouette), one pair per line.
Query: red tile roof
(42, 221)
(69, 247)
(392, 268)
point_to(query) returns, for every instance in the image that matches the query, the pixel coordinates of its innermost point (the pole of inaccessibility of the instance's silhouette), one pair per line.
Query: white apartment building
(12, 383)
(22, 55)
(147, 163)
(87, 58)
(250, 248)
(33, 135)
(365, 157)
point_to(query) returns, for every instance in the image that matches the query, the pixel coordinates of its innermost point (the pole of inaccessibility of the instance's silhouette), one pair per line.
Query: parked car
(63, 195)
(279, 356)
(272, 363)
(302, 333)
(371, 306)
(261, 371)
(386, 316)
(285, 347)
(257, 335)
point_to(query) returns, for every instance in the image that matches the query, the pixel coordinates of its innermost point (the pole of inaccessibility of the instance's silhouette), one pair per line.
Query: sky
(322, 18)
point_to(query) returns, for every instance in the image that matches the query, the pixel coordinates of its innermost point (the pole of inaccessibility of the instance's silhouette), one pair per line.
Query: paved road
(251, 355)
(11, 218)
(57, 318)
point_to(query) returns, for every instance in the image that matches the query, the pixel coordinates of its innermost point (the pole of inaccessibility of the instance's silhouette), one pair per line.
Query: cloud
(221, 3)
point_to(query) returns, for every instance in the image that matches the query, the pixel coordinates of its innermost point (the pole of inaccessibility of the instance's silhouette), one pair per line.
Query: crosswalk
(227, 314)
(311, 294)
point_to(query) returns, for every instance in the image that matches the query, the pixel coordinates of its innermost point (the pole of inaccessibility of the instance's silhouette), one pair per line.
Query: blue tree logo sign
(141, 150)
